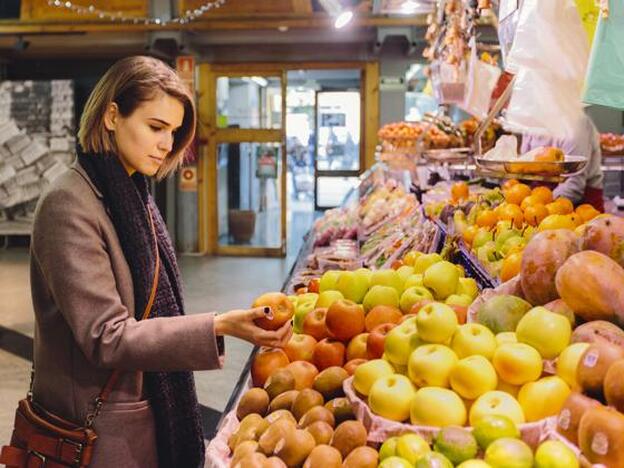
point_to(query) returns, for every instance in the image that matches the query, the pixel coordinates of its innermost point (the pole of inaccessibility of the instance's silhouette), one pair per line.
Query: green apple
(459, 299)
(405, 272)
(411, 447)
(473, 376)
(434, 406)
(380, 295)
(493, 427)
(509, 453)
(352, 286)
(487, 253)
(305, 304)
(364, 272)
(497, 403)
(474, 338)
(567, 363)
(367, 374)
(456, 443)
(442, 278)
(510, 244)
(474, 464)
(528, 233)
(555, 454)
(413, 280)
(543, 398)
(329, 280)
(327, 298)
(433, 460)
(395, 462)
(502, 313)
(425, 261)
(388, 448)
(411, 296)
(517, 363)
(482, 236)
(504, 234)
(436, 322)
(546, 331)
(391, 397)
(468, 286)
(401, 341)
(388, 277)
(431, 365)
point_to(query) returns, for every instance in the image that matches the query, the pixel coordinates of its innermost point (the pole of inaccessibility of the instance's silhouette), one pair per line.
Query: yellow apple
(430, 365)
(387, 277)
(517, 363)
(555, 454)
(459, 299)
(543, 398)
(567, 363)
(546, 331)
(473, 376)
(411, 257)
(395, 462)
(506, 337)
(496, 402)
(508, 388)
(434, 406)
(474, 464)
(327, 298)
(411, 447)
(368, 373)
(411, 296)
(442, 278)
(401, 341)
(436, 322)
(473, 338)
(391, 397)
(353, 286)
(405, 272)
(468, 286)
(425, 261)
(328, 280)
(413, 280)
(380, 295)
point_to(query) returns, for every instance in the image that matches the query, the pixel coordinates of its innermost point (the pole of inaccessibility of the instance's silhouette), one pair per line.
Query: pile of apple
(495, 438)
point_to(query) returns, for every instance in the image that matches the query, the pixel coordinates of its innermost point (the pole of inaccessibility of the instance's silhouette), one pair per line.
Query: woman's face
(145, 138)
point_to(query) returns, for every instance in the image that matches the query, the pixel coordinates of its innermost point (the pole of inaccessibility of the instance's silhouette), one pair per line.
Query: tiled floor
(211, 283)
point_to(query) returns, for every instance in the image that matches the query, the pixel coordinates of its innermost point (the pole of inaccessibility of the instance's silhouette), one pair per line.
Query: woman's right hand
(240, 324)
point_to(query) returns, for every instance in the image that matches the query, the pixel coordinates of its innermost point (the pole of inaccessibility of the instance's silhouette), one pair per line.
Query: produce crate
(475, 269)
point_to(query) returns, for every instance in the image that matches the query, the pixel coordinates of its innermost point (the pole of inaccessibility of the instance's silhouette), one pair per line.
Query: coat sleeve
(71, 253)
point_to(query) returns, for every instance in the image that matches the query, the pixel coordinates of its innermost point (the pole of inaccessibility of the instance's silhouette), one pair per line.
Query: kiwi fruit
(251, 428)
(276, 431)
(323, 456)
(600, 436)
(254, 400)
(329, 382)
(348, 436)
(295, 447)
(251, 460)
(341, 408)
(280, 381)
(306, 399)
(283, 401)
(317, 413)
(321, 431)
(362, 457)
(575, 406)
(274, 462)
(280, 414)
(243, 449)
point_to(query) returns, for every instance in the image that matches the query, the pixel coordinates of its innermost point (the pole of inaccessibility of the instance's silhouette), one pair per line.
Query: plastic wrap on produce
(379, 429)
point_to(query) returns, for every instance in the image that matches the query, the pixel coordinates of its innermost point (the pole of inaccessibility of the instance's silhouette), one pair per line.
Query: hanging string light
(187, 17)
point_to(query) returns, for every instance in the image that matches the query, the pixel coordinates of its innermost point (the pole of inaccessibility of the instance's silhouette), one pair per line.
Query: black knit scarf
(171, 394)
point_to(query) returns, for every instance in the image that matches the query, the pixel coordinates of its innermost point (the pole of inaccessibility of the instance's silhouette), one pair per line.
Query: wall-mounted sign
(337, 119)
(185, 66)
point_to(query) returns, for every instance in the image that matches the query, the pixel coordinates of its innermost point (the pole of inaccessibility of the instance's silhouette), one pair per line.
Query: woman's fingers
(260, 312)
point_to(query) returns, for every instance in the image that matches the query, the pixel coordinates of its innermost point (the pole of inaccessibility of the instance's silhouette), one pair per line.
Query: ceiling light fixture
(341, 15)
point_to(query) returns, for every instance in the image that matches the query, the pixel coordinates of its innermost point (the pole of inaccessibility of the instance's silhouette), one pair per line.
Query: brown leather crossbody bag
(42, 439)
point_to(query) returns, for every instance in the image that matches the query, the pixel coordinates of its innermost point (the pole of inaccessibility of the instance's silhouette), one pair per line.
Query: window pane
(339, 131)
(331, 191)
(249, 102)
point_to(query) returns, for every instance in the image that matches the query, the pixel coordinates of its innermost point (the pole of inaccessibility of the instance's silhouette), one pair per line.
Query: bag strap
(112, 380)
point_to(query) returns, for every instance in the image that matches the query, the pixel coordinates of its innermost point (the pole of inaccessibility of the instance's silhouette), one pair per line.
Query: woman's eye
(155, 128)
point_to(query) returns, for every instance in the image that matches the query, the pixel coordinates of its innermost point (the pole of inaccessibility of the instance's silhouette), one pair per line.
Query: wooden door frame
(209, 139)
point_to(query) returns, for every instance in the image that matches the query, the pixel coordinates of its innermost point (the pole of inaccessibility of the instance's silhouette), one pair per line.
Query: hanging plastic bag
(605, 74)
(482, 79)
(549, 57)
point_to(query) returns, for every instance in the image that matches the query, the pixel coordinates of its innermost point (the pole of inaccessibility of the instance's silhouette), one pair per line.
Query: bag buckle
(79, 447)
(39, 456)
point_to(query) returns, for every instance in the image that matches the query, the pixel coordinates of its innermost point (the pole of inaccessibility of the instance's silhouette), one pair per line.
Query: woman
(92, 268)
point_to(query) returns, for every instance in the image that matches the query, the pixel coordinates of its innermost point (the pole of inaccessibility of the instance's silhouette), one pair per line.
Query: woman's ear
(110, 117)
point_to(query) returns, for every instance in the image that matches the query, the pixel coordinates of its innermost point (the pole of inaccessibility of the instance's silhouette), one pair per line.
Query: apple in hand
(300, 347)
(282, 308)
(496, 402)
(375, 343)
(352, 286)
(314, 324)
(327, 298)
(436, 322)
(411, 296)
(517, 363)
(546, 331)
(473, 376)
(380, 295)
(391, 397)
(401, 341)
(442, 278)
(431, 365)
(434, 406)
(368, 373)
(356, 349)
(543, 398)
(474, 338)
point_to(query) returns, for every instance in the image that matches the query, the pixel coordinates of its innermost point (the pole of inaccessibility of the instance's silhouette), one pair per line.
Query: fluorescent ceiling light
(334, 8)
(409, 6)
(343, 19)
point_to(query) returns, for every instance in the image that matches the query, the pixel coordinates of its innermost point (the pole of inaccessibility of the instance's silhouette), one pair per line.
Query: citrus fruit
(534, 214)
(474, 464)
(512, 212)
(576, 219)
(509, 453)
(556, 221)
(395, 462)
(433, 460)
(587, 212)
(487, 218)
(542, 193)
(531, 200)
(455, 443)
(516, 193)
(469, 234)
(493, 427)
(459, 191)
(566, 206)
(388, 448)
(510, 183)
(555, 454)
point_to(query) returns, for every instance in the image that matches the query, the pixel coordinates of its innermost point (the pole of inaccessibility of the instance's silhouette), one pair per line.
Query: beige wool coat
(85, 327)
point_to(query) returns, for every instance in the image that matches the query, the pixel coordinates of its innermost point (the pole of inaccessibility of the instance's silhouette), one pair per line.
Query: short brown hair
(128, 83)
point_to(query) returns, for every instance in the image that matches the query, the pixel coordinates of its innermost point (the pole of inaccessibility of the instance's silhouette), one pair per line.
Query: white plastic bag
(549, 57)
(506, 149)
(482, 79)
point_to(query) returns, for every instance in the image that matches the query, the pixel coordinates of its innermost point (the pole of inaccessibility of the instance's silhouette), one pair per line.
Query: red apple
(382, 314)
(377, 339)
(328, 353)
(406, 317)
(300, 347)
(265, 362)
(313, 285)
(357, 347)
(282, 307)
(304, 373)
(420, 304)
(353, 364)
(344, 319)
(314, 324)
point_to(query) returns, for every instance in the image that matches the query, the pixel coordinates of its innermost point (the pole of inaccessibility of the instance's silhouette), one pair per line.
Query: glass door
(338, 156)
(248, 154)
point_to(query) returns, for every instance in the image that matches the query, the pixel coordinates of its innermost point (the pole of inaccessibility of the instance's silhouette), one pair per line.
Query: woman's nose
(166, 143)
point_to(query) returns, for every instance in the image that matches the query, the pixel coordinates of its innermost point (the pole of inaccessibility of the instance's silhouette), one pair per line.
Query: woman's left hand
(241, 324)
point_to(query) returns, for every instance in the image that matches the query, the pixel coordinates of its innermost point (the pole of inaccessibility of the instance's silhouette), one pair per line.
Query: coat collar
(80, 170)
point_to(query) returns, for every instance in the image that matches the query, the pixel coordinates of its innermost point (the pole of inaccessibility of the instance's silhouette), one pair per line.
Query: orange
(556, 221)
(543, 193)
(587, 212)
(576, 219)
(469, 234)
(531, 200)
(459, 191)
(566, 205)
(516, 193)
(511, 266)
(513, 213)
(509, 183)
(487, 218)
(534, 214)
